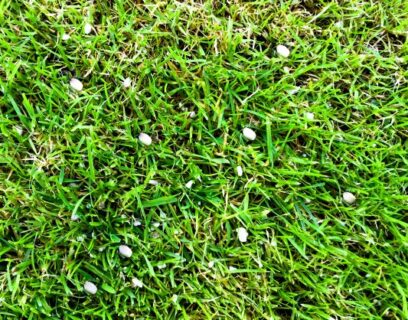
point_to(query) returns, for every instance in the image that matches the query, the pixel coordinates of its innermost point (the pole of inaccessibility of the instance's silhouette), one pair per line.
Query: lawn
(203, 159)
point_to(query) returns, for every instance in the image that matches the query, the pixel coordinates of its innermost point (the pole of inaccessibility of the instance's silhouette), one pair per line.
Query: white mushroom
(242, 234)
(154, 182)
(145, 139)
(127, 83)
(90, 288)
(282, 51)
(125, 251)
(309, 116)
(136, 283)
(249, 134)
(76, 84)
(240, 172)
(87, 28)
(349, 198)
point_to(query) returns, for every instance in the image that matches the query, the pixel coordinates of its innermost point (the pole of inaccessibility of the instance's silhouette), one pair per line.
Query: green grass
(308, 255)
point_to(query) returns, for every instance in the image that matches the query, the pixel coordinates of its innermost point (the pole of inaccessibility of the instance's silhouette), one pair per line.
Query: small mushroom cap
(154, 182)
(145, 139)
(90, 288)
(349, 198)
(249, 134)
(189, 184)
(127, 83)
(283, 51)
(125, 251)
(88, 28)
(240, 171)
(136, 283)
(76, 84)
(242, 234)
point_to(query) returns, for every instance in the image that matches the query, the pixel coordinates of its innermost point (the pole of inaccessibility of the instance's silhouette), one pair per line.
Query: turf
(330, 118)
